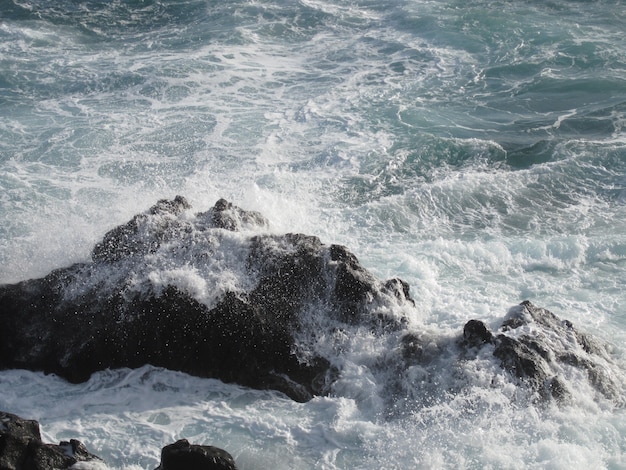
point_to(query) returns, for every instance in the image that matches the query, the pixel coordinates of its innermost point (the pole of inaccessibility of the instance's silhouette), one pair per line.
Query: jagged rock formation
(214, 294)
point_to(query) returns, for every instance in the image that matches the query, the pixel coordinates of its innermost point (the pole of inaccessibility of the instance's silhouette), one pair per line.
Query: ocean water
(475, 149)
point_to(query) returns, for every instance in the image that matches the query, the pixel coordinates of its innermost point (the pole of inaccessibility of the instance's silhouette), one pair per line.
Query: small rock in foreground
(184, 456)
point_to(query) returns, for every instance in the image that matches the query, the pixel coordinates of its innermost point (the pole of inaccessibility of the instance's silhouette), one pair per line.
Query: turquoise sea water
(475, 149)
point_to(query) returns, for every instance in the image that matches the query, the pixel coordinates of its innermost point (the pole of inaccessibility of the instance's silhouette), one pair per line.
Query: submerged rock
(21, 447)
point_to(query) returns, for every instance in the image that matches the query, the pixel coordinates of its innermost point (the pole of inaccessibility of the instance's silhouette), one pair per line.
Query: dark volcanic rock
(230, 217)
(537, 347)
(476, 333)
(215, 295)
(21, 447)
(143, 234)
(189, 293)
(184, 456)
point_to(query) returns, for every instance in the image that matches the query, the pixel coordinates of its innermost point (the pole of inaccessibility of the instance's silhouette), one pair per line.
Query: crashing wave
(215, 294)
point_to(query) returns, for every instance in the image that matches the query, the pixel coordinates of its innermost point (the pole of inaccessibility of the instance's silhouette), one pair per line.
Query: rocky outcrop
(537, 347)
(199, 293)
(214, 294)
(21, 447)
(145, 233)
(184, 456)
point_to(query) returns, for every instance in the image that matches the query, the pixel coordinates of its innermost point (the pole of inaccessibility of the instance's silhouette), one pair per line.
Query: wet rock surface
(21, 448)
(137, 303)
(185, 456)
(536, 346)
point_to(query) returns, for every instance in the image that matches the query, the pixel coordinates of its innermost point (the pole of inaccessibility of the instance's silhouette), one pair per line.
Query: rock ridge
(215, 294)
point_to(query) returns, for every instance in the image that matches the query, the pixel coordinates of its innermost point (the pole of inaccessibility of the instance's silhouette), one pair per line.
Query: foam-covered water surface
(475, 150)
(126, 416)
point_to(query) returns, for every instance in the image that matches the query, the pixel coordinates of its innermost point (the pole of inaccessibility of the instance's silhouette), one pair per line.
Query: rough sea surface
(475, 149)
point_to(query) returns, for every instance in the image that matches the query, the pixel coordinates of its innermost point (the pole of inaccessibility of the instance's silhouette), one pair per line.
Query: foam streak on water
(475, 150)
